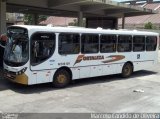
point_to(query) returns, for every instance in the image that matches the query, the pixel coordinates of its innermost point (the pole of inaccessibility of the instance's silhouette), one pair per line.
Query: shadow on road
(5, 84)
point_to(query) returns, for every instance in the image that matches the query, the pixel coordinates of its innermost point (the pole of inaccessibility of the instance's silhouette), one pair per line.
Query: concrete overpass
(69, 8)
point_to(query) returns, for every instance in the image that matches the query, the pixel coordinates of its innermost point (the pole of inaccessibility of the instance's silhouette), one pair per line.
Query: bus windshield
(17, 47)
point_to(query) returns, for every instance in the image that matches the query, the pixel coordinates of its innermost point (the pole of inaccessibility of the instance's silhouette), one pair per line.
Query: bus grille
(9, 75)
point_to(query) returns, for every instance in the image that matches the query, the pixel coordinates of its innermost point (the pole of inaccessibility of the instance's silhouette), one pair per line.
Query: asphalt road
(101, 94)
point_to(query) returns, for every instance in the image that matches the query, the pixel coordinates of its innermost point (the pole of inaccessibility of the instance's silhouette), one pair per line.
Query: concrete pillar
(35, 19)
(80, 18)
(123, 21)
(3, 28)
(116, 23)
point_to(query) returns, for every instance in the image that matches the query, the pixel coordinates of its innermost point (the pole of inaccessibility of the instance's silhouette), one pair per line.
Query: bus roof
(75, 29)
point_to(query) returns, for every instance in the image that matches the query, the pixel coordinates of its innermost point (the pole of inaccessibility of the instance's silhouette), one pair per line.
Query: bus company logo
(88, 58)
(113, 58)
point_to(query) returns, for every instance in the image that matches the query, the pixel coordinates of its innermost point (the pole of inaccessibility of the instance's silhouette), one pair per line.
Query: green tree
(42, 18)
(28, 18)
(148, 25)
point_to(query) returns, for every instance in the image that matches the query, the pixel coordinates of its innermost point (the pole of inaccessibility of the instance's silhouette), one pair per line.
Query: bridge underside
(70, 8)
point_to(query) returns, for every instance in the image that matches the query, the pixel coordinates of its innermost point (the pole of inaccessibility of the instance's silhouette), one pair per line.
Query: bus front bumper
(21, 79)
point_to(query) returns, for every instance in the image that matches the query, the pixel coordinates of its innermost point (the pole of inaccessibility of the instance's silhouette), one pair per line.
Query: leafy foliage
(148, 25)
(28, 19)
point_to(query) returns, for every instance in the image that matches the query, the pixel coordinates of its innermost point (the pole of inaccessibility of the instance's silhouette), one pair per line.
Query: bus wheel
(127, 70)
(61, 79)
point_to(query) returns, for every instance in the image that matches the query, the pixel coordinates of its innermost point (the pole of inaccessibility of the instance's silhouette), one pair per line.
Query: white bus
(41, 54)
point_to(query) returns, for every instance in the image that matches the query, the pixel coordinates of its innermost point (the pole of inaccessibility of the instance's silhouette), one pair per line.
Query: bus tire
(127, 70)
(61, 79)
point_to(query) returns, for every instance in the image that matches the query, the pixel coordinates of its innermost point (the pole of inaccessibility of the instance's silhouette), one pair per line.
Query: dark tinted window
(124, 43)
(90, 43)
(108, 43)
(42, 47)
(69, 43)
(138, 43)
(151, 43)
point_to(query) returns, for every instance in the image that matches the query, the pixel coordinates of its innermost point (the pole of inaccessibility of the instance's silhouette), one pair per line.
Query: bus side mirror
(3, 40)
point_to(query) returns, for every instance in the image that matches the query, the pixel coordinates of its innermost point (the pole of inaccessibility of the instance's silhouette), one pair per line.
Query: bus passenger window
(124, 43)
(151, 43)
(69, 43)
(90, 43)
(138, 43)
(43, 45)
(108, 43)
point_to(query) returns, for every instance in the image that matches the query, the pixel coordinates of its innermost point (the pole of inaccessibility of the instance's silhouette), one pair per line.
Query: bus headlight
(21, 71)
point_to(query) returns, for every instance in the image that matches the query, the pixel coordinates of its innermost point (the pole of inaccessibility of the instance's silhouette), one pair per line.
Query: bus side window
(108, 43)
(138, 43)
(151, 43)
(90, 43)
(43, 46)
(124, 43)
(69, 43)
